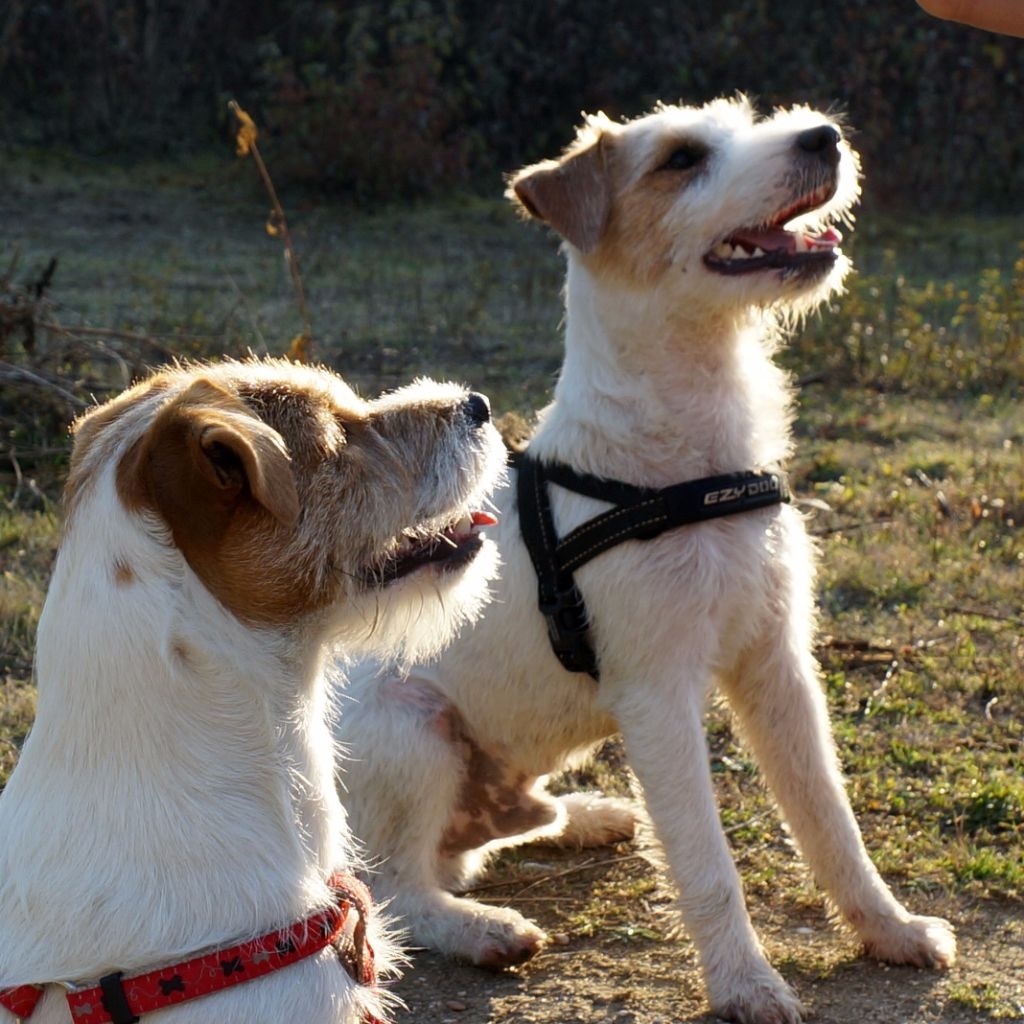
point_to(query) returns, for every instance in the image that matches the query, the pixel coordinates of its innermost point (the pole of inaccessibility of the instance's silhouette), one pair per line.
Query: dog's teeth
(738, 253)
(723, 250)
(800, 243)
(758, 251)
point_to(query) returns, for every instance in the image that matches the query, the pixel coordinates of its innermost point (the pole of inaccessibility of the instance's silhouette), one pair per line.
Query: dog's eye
(685, 157)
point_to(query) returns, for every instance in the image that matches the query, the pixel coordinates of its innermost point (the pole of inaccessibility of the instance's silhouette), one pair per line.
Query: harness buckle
(565, 612)
(566, 615)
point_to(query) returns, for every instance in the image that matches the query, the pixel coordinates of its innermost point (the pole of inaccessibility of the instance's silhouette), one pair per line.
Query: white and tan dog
(225, 524)
(692, 235)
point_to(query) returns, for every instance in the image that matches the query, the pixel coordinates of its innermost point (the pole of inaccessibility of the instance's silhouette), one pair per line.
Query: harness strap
(558, 597)
(640, 513)
(652, 512)
(120, 1000)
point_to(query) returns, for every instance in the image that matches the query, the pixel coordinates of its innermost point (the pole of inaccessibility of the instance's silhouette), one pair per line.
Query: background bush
(395, 98)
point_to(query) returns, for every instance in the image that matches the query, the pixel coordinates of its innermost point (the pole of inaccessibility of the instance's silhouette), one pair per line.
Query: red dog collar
(120, 1000)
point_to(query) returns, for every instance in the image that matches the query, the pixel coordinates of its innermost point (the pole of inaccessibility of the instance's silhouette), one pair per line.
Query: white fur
(668, 376)
(163, 805)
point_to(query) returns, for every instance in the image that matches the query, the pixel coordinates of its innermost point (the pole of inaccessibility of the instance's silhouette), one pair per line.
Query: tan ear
(204, 452)
(573, 195)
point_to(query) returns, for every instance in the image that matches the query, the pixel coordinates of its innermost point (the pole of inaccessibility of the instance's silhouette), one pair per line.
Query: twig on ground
(31, 455)
(105, 332)
(528, 899)
(981, 613)
(253, 321)
(18, 478)
(861, 651)
(863, 524)
(593, 864)
(8, 274)
(815, 377)
(22, 482)
(552, 876)
(767, 812)
(9, 372)
(875, 698)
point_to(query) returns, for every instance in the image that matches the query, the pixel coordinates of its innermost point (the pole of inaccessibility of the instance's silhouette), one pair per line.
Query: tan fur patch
(495, 801)
(224, 486)
(573, 195)
(181, 651)
(597, 198)
(124, 574)
(636, 245)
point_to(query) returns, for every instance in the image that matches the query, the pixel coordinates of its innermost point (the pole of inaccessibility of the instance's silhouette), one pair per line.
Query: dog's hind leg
(406, 796)
(592, 819)
(662, 723)
(781, 710)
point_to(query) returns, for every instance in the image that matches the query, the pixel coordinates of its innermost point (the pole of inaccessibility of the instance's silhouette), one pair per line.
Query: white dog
(173, 817)
(692, 236)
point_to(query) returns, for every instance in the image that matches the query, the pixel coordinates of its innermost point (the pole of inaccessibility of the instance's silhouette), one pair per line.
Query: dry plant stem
(104, 332)
(981, 613)
(16, 373)
(864, 524)
(281, 222)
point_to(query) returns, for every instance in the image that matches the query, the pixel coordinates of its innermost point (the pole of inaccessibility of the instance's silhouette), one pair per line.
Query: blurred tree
(405, 97)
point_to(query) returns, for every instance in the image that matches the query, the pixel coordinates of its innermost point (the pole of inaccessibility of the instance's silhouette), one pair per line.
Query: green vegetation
(985, 999)
(400, 98)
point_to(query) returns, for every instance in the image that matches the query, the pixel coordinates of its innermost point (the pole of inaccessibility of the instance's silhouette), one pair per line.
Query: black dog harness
(640, 513)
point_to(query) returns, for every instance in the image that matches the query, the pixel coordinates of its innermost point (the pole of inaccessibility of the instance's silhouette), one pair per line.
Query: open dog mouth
(446, 549)
(773, 246)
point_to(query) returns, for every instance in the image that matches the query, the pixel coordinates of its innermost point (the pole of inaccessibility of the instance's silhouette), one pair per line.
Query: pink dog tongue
(484, 519)
(774, 239)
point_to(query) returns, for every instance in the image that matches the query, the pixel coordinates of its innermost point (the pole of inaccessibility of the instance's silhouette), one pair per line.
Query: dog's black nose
(477, 408)
(822, 142)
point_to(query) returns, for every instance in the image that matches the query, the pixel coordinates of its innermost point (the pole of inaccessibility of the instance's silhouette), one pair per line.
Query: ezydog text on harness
(640, 513)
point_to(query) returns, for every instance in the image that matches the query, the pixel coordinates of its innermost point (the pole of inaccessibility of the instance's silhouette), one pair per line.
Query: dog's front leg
(778, 701)
(781, 709)
(663, 729)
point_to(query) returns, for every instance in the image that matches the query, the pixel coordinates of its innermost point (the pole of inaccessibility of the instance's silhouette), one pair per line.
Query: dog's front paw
(491, 937)
(504, 940)
(508, 950)
(919, 941)
(761, 999)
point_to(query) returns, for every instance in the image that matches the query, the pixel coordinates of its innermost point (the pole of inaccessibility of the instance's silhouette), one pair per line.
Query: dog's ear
(92, 428)
(573, 195)
(205, 452)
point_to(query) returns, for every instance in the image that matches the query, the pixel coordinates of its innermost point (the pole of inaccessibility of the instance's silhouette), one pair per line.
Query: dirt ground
(632, 973)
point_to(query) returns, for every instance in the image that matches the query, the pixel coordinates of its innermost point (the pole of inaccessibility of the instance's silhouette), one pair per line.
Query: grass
(910, 437)
(985, 999)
